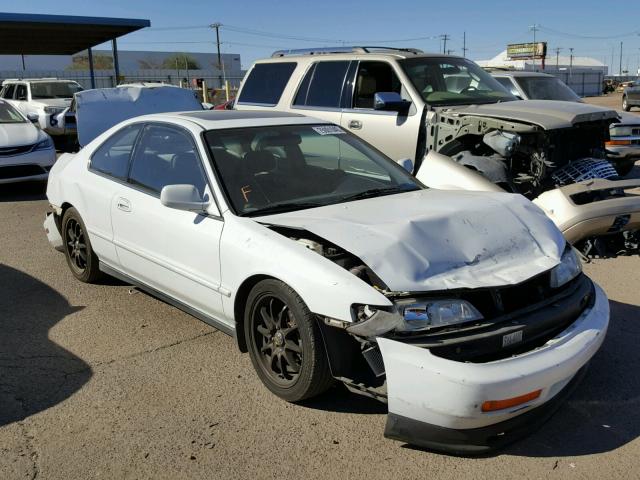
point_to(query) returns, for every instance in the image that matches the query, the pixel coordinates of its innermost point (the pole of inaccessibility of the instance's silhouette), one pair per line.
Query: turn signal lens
(493, 405)
(618, 142)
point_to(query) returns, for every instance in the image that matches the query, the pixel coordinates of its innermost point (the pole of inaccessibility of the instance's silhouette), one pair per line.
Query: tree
(180, 61)
(100, 62)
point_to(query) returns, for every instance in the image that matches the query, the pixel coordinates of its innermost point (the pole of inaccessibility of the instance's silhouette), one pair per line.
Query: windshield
(453, 81)
(8, 114)
(275, 169)
(41, 90)
(546, 88)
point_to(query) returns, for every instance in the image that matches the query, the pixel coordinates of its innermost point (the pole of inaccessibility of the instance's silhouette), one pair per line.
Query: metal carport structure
(34, 34)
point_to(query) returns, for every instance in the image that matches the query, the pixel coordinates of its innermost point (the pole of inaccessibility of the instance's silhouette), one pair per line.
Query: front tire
(625, 105)
(285, 343)
(81, 258)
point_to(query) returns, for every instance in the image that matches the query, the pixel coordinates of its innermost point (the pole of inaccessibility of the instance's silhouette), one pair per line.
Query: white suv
(47, 98)
(461, 129)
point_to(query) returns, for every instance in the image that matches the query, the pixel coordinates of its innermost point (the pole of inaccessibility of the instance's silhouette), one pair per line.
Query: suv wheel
(625, 105)
(285, 343)
(81, 258)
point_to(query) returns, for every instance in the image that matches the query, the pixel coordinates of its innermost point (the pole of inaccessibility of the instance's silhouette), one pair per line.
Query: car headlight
(53, 110)
(420, 316)
(412, 316)
(45, 144)
(570, 267)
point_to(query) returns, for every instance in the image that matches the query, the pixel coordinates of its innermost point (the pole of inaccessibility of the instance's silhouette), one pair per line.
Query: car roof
(510, 73)
(219, 119)
(374, 55)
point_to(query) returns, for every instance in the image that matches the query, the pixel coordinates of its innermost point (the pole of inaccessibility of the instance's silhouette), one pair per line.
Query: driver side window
(112, 157)
(374, 77)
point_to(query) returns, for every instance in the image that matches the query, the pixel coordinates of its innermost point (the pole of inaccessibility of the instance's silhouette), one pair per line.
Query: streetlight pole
(620, 69)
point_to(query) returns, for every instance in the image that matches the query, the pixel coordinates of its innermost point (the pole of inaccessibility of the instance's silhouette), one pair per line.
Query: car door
(108, 168)
(173, 251)
(393, 133)
(633, 94)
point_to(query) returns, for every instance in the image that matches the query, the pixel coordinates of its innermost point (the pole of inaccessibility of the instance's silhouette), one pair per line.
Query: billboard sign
(527, 51)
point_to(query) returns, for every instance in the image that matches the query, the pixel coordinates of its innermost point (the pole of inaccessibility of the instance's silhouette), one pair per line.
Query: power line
(589, 37)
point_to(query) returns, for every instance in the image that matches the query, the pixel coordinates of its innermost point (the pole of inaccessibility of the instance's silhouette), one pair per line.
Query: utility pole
(444, 37)
(571, 62)
(449, 52)
(620, 70)
(217, 26)
(534, 28)
(557, 58)
(464, 45)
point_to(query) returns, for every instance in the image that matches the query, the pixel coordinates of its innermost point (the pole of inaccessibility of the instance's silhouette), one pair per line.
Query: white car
(45, 98)
(467, 312)
(26, 152)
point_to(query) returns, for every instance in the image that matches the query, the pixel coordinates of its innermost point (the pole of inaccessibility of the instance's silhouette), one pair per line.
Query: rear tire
(81, 258)
(625, 105)
(285, 343)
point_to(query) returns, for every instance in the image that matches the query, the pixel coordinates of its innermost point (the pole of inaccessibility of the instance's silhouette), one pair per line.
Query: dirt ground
(101, 381)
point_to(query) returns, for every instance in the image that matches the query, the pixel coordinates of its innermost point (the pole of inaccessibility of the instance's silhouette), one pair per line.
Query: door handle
(355, 124)
(124, 204)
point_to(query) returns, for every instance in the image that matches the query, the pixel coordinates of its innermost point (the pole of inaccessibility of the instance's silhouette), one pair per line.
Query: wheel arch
(240, 303)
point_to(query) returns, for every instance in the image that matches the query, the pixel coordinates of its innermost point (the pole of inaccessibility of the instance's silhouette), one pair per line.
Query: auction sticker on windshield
(329, 130)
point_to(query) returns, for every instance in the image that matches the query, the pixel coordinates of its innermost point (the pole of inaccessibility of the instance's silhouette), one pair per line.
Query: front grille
(532, 308)
(11, 151)
(19, 171)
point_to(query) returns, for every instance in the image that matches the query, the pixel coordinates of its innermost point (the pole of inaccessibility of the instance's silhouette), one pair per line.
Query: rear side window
(266, 82)
(112, 157)
(322, 86)
(8, 92)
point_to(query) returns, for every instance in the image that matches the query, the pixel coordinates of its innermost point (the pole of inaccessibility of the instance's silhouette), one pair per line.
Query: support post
(92, 73)
(116, 65)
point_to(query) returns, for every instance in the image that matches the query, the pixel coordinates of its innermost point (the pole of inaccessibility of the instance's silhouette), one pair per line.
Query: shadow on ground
(23, 191)
(35, 373)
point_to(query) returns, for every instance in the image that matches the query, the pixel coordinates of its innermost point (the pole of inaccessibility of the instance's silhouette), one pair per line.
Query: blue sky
(489, 25)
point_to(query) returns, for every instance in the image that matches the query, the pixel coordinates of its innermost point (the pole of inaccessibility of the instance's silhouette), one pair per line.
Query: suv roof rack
(330, 50)
(33, 79)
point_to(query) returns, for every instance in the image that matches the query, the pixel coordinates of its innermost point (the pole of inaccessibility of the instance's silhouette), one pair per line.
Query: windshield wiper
(378, 192)
(281, 208)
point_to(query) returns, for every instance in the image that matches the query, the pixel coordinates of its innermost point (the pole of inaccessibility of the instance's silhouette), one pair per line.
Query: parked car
(623, 85)
(26, 152)
(328, 262)
(408, 104)
(45, 98)
(623, 145)
(631, 96)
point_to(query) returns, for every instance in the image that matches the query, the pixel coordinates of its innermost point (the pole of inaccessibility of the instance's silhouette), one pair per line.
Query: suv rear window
(266, 82)
(322, 86)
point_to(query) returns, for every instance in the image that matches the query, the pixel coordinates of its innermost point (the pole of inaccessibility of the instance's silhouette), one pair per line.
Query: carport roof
(31, 34)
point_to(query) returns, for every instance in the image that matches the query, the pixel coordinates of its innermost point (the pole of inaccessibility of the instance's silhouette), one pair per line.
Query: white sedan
(466, 312)
(26, 152)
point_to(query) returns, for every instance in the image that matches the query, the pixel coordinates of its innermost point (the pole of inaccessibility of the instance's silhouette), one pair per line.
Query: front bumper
(27, 167)
(436, 403)
(593, 207)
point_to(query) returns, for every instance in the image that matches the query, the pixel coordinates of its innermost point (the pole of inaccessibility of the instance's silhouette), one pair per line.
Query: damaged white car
(466, 312)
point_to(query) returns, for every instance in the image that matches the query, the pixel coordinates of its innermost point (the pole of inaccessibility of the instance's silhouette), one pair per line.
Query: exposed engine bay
(531, 160)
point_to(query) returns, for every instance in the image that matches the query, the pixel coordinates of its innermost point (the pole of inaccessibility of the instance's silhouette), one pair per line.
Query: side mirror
(407, 164)
(390, 102)
(32, 117)
(182, 197)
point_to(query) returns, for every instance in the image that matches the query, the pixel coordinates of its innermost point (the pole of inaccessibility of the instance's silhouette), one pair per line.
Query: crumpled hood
(548, 114)
(18, 134)
(435, 239)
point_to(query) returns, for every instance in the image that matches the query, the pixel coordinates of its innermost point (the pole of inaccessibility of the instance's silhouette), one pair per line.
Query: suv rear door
(395, 134)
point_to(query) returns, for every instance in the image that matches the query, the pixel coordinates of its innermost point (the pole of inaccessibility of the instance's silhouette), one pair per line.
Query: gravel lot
(104, 381)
